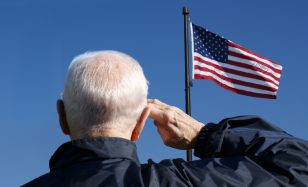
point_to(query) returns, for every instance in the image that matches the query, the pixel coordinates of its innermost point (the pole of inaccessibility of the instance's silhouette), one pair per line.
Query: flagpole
(187, 85)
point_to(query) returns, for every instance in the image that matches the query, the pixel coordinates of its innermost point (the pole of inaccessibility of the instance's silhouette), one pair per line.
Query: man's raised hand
(176, 128)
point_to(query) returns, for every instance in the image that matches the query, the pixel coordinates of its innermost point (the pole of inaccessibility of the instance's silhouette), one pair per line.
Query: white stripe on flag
(192, 49)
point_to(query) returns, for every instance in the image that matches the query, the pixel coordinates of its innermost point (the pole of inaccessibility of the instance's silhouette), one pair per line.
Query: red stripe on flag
(235, 81)
(242, 92)
(235, 72)
(232, 53)
(241, 48)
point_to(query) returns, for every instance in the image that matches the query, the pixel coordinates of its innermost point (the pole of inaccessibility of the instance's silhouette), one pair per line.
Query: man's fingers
(156, 102)
(158, 110)
(156, 114)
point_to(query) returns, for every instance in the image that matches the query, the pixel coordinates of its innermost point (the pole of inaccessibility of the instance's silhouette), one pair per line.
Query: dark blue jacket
(240, 151)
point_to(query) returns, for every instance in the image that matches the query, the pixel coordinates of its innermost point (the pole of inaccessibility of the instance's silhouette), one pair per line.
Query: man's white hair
(103, 90)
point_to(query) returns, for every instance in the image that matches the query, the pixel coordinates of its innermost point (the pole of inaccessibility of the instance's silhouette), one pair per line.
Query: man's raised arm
(239, 151)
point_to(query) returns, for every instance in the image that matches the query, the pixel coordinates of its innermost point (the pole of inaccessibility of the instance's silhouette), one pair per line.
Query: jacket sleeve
(240, 151)
(256, 149)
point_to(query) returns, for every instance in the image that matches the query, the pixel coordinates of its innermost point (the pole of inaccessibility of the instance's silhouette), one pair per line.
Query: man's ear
(140, 123)
(62, 117)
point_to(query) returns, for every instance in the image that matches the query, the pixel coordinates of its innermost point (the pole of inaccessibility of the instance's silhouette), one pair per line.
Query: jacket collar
(84, 150)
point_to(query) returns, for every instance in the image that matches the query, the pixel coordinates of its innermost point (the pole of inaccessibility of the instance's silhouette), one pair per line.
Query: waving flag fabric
(232, 66)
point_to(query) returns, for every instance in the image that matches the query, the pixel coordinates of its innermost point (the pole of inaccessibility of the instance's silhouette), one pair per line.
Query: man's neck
(108, 133)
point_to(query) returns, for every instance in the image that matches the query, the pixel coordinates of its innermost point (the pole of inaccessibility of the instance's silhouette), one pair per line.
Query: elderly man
(104, 109)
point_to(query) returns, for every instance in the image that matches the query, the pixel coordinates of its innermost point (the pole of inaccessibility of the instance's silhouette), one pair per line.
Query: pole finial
(185, 10)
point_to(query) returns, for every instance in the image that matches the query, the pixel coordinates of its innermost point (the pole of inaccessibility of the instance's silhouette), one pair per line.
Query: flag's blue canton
(210, 45)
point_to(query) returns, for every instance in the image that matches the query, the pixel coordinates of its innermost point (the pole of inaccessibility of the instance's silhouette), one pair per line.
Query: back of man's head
(103, 91)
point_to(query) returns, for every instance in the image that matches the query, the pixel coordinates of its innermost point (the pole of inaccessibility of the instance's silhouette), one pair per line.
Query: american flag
(232, 66)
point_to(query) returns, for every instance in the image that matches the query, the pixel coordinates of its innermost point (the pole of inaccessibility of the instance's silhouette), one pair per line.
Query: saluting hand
(176, 128)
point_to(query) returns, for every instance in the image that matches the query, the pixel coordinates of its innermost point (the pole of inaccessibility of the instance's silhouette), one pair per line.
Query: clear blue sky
(38, 40)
